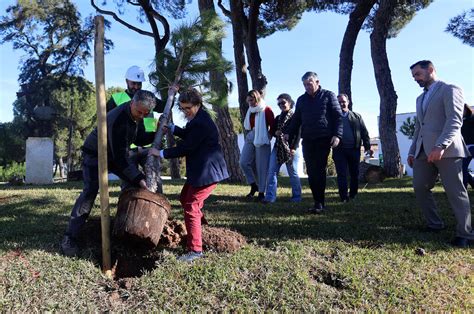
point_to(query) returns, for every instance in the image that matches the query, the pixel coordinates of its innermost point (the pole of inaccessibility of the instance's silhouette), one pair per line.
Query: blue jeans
(347, 159)
(273, 169)
(466, 176)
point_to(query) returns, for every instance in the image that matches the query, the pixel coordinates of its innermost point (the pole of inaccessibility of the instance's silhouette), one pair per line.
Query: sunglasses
(281, 103)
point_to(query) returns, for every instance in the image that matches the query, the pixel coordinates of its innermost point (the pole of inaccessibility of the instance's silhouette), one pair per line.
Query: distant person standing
(467, 131)
(319, 115)
(346, 155)
(255, 154)
(283, 154)
(438, 148)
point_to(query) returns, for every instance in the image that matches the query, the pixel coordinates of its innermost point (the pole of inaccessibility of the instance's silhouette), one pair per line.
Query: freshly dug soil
(133, 260)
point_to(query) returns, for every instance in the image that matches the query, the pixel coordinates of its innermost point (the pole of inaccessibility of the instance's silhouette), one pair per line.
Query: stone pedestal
(39, 160)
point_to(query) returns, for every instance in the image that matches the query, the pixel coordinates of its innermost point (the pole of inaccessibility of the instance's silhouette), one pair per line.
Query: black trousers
(347, 159)
(315, 153)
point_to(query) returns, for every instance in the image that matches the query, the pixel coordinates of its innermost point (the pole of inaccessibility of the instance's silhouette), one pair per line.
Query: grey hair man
(121, 132)
(318, 114)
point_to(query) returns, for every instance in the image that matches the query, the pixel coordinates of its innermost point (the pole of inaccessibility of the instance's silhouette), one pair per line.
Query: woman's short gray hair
(146, 98)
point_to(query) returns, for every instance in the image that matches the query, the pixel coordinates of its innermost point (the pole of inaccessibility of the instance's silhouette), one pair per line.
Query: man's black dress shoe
(461, 242)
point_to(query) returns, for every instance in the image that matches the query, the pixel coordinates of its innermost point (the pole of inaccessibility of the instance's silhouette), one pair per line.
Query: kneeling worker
(121, 132)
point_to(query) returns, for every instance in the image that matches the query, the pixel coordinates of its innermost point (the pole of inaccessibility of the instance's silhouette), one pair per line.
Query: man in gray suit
(438, 147)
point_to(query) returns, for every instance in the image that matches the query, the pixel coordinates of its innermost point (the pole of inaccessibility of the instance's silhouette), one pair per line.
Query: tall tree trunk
(388, 96)
(356, 19)
(237, 12)
(259, 81)
(227, 138)
(61, 168)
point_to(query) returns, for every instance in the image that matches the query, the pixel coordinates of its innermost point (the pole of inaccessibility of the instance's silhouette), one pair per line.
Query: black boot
(260, 197)
(253, 190)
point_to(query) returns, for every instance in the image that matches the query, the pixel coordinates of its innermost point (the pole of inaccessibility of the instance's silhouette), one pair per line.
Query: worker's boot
(69, 246)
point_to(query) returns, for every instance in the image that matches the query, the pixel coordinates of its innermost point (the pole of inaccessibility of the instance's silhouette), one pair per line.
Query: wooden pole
(102, 143)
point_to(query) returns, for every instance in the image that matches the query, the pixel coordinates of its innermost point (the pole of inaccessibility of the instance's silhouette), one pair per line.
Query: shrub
(11, 171)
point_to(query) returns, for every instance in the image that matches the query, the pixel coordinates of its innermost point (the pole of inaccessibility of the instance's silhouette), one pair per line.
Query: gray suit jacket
(441, 123)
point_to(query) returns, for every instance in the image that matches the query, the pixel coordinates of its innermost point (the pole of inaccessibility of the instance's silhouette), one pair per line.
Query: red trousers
(192, 199)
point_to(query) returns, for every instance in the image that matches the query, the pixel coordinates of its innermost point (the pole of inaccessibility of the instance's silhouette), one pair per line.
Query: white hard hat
(135, 74)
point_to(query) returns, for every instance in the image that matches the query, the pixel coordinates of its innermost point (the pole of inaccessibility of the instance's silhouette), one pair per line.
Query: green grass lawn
(360, 256)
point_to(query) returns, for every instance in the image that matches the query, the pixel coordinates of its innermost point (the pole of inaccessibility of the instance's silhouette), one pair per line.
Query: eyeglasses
(185, 108)
(281, 103)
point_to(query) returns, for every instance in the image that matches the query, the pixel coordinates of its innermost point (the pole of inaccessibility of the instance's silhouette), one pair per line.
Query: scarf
(261, 131)
(283, 150)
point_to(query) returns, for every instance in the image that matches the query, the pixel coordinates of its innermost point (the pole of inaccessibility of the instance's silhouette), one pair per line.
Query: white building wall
(404, 143)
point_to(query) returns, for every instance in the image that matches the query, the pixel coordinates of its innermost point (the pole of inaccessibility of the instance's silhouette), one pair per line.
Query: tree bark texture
(227, 136)
(152, 166)
(237, 13)
(356, 19)
(259, 81)
(388, 96)
(174, 162)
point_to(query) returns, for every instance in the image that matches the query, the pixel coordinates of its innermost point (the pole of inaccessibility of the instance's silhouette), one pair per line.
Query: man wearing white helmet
(134, 77)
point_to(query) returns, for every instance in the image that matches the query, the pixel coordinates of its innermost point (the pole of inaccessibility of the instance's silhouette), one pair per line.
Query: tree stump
(141, 216)
(369, 173)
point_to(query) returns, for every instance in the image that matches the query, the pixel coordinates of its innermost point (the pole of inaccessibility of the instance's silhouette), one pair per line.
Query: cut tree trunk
(141, 216)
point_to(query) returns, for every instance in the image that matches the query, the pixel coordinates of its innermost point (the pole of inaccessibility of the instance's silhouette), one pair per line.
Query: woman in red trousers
(205, 165)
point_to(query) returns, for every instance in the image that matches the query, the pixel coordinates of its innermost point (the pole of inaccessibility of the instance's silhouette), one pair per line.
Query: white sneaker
(191, 256)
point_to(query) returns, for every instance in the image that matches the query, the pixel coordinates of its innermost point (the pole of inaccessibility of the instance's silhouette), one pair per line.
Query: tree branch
(225, 11)
(115, 17)
(133, 3)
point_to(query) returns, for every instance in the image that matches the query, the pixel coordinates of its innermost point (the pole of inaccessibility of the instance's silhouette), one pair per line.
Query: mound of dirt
(214, 239)
(173, 235)
(222, 240)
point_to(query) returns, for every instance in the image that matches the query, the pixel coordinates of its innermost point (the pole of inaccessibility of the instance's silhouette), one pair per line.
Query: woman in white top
(255, 154)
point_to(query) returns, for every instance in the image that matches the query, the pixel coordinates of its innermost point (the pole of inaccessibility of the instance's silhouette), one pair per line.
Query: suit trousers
(424, 178)
(347, 159)
(192, 199)
(315, 153)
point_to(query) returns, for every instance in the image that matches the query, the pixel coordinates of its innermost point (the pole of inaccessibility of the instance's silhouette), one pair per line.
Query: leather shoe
(460, 242)
(317, 209)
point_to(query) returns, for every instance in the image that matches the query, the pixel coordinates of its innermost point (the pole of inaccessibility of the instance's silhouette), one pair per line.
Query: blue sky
(313, 45)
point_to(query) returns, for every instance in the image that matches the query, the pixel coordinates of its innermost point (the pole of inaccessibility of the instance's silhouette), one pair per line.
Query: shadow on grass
(381, 215)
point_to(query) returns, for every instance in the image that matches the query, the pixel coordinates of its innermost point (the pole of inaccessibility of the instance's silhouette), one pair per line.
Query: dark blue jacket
(122, 131)
(205, 162)
(319, 116)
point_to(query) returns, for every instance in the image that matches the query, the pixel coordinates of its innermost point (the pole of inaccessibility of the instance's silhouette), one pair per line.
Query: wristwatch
(442, 146)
